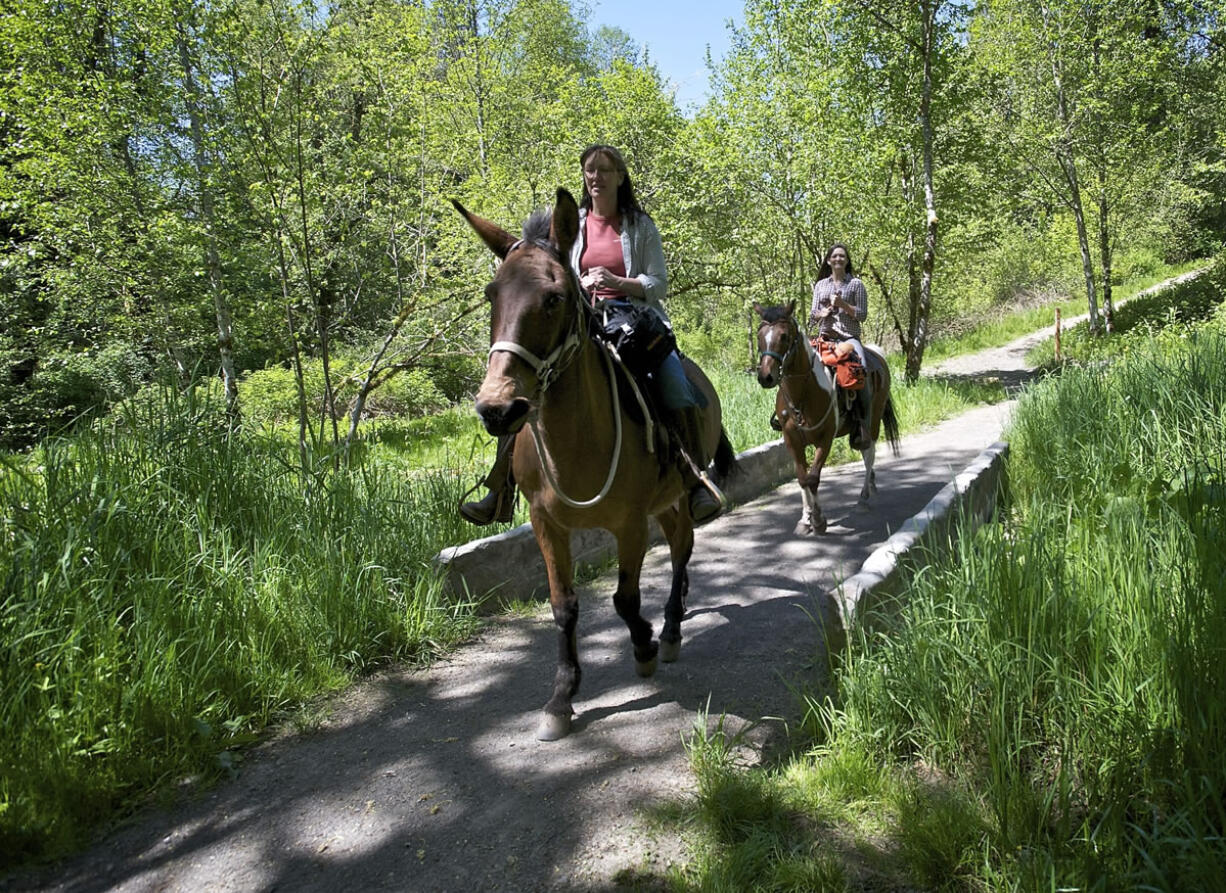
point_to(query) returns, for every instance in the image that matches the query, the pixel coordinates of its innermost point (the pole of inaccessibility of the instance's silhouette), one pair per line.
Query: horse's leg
(813, 478)
(631, 547)
(808, 495)
(554, 542)
(679, 531)
(869, 454)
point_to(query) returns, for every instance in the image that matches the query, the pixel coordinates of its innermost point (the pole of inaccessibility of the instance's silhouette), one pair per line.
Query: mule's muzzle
(503, 417)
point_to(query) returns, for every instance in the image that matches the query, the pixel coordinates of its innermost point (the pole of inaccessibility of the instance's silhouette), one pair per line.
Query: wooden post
(1057, 334)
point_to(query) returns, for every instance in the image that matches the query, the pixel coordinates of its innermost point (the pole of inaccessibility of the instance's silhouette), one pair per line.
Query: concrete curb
(972, 494)
(509, 566)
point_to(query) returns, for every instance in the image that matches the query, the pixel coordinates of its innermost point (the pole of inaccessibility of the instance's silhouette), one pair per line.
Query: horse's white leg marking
(870, 481)
(806, 511)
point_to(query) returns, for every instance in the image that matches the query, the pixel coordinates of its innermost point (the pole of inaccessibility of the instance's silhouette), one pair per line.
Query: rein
(550, 368)
(797, 339)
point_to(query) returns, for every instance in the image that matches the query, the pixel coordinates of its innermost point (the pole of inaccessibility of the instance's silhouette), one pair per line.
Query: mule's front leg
(555, 549)
(679, 531)
(631, 547)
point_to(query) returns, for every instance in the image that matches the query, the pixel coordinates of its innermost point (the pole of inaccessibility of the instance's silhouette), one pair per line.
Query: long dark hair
(627, 203)
(824, 272)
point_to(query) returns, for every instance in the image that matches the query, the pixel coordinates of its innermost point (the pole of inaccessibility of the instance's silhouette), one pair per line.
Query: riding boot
(705, 505)
(499, 503)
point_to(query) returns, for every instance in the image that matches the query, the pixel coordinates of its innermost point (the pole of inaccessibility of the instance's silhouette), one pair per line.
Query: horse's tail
(890, 422)
(725, 458)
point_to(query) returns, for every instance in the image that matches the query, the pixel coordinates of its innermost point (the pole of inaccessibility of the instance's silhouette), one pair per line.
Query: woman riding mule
(619, 257)
(582, 457)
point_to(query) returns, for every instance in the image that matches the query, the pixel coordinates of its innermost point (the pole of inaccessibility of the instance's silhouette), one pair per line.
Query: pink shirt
(602, 248)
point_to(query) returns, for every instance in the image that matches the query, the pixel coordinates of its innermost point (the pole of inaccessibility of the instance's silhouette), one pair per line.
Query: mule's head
(535, 320)
(778, 336)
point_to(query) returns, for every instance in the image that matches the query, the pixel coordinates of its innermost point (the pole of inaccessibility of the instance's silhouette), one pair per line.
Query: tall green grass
(170, 586)
(1044, 708)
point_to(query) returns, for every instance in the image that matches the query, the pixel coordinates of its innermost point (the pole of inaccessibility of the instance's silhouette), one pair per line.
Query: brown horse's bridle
(797, 337)
(549, 368)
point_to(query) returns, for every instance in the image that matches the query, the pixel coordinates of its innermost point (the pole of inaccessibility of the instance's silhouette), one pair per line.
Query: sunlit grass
(1009, 325)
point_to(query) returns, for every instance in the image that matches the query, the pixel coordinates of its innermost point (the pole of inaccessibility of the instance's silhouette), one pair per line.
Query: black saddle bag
(642, 337)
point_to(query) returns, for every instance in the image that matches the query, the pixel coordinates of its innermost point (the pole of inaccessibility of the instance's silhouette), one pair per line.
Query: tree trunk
(212, 259)
(1068, 164)
(915, 356)
(1104, 249)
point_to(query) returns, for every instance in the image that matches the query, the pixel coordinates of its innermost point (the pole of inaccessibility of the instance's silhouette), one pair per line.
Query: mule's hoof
(645, 668)
(670, 651)
(553, 727)
(819, 528)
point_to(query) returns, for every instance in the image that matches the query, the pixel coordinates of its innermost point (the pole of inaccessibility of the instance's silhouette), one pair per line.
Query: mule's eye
(553, 299)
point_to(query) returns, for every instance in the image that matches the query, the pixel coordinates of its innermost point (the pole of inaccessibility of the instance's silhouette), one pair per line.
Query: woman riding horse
(618, 256)
(582, 458)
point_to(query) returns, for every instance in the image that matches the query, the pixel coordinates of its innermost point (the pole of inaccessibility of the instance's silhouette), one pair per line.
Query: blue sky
(676, 33)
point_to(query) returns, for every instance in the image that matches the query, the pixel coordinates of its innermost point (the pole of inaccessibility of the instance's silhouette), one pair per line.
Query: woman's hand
(600, 277)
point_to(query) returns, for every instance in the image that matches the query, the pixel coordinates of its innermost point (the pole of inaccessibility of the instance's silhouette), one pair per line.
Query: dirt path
(432, 780)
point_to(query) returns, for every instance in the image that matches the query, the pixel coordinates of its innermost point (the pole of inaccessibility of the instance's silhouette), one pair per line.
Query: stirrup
(707, 501)
(496, 505)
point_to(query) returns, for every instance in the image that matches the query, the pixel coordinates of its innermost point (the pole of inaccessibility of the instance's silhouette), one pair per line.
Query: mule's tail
(726, 465)
(889, 421)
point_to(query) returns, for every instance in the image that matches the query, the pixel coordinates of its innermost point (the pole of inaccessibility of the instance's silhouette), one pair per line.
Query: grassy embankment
(173, 587)
(1044, 708)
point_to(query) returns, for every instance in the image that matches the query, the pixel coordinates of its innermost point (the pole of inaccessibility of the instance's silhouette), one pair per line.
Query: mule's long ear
(792, 308)
(493, 235)
(564, 228)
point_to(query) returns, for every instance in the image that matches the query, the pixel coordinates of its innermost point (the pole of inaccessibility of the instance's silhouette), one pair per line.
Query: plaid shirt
(842, 324)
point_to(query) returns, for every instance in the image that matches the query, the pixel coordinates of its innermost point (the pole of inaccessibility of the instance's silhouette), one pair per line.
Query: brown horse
(808, 405)
(583, 457)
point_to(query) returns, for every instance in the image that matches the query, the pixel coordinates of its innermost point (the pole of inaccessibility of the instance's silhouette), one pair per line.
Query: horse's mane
(775, 313)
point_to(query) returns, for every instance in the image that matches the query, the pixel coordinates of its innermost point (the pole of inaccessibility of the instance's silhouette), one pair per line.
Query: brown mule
(807, 407)
(580, 458)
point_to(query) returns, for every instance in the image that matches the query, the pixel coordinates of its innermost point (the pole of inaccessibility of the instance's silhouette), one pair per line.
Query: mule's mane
(536, 229)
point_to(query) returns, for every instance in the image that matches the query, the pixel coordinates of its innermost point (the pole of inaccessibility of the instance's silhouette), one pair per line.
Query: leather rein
(550, 367)
(783, 359)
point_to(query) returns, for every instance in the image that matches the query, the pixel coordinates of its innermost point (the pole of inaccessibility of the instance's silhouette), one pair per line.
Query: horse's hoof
(645, 668)
(819, 528)
(553, 727)
(802, 529)
(670, 651)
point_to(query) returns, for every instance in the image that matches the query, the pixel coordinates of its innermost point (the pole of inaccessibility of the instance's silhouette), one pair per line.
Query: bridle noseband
(548, 368)
(793, 332)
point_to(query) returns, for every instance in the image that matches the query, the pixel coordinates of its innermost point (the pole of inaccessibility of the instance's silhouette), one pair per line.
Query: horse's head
(536, 324)
(778, 336)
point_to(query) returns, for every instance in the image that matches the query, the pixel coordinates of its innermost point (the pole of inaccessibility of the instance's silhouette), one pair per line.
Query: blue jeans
(672, 386)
